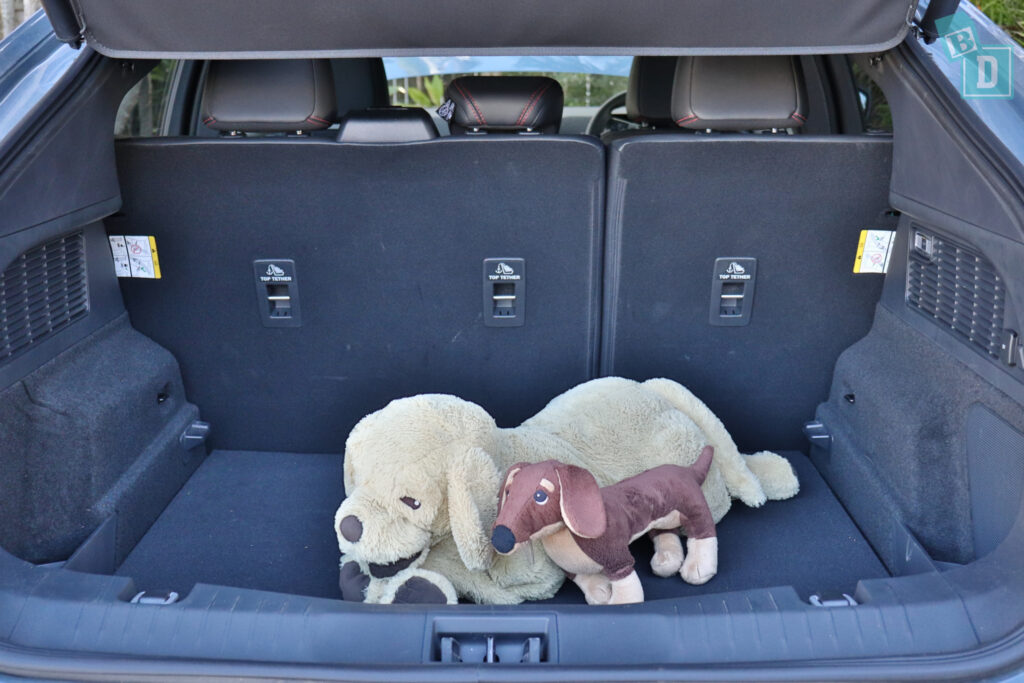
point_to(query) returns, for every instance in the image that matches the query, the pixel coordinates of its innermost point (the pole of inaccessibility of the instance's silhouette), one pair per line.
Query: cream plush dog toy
(421, 476)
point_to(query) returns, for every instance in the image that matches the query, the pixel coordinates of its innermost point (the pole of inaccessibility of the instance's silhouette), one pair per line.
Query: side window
(874, 108)
(141, 114)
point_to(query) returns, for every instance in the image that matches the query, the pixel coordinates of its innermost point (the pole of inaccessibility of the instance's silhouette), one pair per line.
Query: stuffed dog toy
(420, 476)
(587, 530)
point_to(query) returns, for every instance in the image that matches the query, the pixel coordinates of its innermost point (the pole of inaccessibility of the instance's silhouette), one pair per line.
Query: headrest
(505, 104)
(649, 95)
(359, 83)
(391, 124)
(269, 96)
(739, 93)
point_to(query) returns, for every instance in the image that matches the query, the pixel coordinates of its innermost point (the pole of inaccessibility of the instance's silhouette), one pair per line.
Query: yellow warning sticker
(135, 256)
(874, 251)
(155, 257)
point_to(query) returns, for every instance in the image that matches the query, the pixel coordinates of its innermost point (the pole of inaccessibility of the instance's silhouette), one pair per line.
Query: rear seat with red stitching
(388, 230)
(686, 212)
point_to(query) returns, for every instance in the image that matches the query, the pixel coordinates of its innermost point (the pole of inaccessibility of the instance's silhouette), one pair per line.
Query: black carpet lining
(264, 521)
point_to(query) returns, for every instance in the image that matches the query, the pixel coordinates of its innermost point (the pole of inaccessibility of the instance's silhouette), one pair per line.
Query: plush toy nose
(503, 539)
(351, 528)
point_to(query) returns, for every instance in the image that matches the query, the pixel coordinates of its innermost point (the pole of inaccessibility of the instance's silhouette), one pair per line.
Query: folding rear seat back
(388, 228)
(684, 209)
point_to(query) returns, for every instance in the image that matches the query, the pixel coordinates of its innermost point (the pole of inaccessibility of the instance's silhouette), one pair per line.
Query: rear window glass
(874, 108)
(586, 81)
(141, 114)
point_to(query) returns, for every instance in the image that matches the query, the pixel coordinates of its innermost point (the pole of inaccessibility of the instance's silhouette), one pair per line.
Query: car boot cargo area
(173, 447)
(263, 520)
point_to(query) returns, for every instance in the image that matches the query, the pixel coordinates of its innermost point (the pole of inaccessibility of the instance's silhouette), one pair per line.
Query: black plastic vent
(957, 288)
(41, 293)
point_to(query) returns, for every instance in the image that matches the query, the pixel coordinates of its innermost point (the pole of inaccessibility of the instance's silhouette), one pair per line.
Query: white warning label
(120, 252)
(874, 251)
(135, 256)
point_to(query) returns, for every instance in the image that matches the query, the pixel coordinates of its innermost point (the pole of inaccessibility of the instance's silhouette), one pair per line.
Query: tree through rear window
(586, 81)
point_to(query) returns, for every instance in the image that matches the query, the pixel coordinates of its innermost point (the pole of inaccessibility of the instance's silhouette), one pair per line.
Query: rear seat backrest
(388, 242)
(795, 203)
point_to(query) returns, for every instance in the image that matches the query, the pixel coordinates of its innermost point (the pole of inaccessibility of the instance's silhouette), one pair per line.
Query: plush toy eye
(540, 497)
(411, 502)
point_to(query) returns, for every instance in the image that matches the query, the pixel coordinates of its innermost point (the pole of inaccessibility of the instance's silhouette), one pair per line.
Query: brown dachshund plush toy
(587, 530)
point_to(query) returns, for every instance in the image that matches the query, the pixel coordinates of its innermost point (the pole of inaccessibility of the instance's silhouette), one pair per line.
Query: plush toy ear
(581, 503)
(509, 476)
(349, 478)
(472, 479)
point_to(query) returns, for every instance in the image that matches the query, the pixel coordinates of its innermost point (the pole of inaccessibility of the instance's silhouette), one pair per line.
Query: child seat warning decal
(874, 251)
(135, 256)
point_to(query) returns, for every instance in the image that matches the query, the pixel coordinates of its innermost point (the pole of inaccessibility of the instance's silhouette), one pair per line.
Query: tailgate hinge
(937, 9)
(67, 24)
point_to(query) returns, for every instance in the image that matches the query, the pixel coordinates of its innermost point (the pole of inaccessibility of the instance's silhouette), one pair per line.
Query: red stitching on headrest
(532, 103)
(465, 93)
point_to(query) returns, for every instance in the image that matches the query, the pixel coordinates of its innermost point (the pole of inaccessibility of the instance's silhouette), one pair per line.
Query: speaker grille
(42, 292)
(958, 289)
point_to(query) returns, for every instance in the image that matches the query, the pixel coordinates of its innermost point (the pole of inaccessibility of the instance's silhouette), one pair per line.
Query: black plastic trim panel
(105, 301)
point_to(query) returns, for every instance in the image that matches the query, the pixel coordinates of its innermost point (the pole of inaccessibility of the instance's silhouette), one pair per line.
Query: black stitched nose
(351, 528)
(503, 539)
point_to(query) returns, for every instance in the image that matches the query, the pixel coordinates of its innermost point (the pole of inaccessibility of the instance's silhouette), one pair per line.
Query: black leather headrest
(269, 96)
(359, 83)
(739, 93)
(391, 124)
(649, 95)
(505, 104)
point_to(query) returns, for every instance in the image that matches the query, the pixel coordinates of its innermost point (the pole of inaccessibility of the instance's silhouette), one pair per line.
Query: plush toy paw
(419, 591)
(597, 589)
(701, 562)
(627, 591)
(746, 487)
(668, 554)
(778, 481)
(353, 582)
(414, 586)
